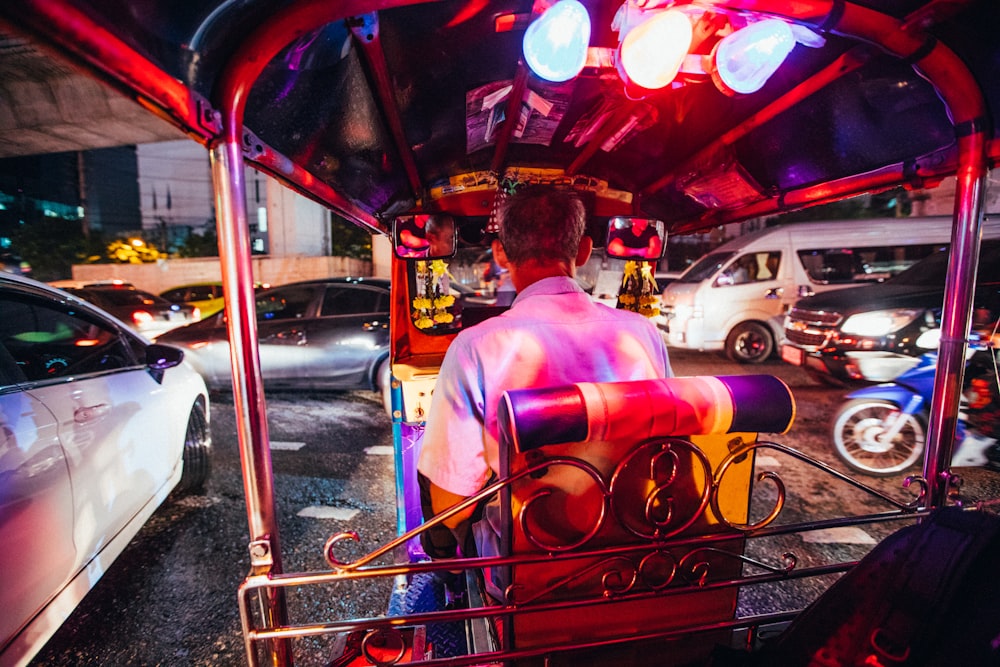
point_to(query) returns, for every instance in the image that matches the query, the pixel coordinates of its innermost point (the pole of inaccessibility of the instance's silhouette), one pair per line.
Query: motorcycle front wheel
(859, 437)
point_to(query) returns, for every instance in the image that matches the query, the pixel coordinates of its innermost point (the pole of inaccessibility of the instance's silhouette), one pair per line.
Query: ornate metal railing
(665, 559)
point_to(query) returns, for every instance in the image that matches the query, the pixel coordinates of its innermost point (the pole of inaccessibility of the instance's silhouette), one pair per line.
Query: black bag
(927, 596)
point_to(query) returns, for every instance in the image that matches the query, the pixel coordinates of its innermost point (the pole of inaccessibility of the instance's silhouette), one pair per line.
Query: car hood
(873, 297)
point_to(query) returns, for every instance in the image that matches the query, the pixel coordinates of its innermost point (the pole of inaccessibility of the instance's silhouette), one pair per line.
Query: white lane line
(379, 450)
(842, 535)
(767, 461)
(287, 446)
(324, 512)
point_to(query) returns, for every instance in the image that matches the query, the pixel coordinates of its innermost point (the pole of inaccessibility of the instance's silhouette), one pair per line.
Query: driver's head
(440, 231)
(542, 223)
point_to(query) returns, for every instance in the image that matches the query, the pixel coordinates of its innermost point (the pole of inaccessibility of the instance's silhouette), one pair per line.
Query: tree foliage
(133, 251)
(205, 244)
(51, 246)
(349, 240)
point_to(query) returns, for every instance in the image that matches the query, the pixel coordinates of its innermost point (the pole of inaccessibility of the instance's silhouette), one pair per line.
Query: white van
(735, 298)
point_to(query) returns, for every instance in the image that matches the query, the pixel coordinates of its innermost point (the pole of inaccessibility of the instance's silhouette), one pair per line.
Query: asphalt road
(171, 598)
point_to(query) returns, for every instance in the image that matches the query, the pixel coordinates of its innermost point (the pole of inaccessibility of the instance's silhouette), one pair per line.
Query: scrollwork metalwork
(619, 575)
(773, 477)
(699, 571)
(658, 451)
(525, 511)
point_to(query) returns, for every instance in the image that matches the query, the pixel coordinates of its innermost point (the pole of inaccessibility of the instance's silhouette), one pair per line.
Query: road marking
(287, 446)
(379, 450)
(325, 512)
(768, 461)
(842, 535)
(198, 501)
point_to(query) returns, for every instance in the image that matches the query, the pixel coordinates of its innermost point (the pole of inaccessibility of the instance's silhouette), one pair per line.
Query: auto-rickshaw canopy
(376, 108)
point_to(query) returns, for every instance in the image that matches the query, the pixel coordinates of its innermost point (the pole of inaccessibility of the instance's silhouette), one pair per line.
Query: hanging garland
(638, 291)
(430, 306)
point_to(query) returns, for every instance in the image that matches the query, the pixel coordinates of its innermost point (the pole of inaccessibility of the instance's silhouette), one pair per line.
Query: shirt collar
(549, 286)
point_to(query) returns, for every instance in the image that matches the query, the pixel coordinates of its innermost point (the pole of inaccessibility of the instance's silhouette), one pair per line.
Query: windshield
(705, 267)
(931, 272)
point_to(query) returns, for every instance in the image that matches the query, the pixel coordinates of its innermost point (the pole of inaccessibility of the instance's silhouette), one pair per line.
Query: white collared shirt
(553, 334)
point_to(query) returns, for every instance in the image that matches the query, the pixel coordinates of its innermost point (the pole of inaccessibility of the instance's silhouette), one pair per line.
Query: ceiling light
(652, 51)
(746, 59)
(555, 45)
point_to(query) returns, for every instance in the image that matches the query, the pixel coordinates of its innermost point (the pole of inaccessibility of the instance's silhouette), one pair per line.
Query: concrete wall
(160, 276)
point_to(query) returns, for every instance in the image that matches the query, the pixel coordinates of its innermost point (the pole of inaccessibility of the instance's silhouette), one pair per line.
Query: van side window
(750, 268)
(832, 266)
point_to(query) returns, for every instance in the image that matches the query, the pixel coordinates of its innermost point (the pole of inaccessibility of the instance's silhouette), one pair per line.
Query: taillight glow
(141, 317)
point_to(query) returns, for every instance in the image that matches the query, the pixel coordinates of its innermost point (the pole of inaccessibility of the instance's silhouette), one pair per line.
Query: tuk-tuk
(686, 114)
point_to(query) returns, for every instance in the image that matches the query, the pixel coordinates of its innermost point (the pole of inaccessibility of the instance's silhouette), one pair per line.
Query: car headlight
(880, 322)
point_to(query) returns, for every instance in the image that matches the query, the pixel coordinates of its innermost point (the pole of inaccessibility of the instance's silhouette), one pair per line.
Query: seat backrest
(624, 476)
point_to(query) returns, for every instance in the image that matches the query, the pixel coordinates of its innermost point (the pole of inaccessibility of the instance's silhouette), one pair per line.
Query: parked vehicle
(145, 312)
(319, 334)
(735, 298)
(881, 429)
(207, 297)
(873, 334)
(97, 427)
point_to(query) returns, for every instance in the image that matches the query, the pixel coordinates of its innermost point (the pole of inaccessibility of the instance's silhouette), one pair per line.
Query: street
(171, 597)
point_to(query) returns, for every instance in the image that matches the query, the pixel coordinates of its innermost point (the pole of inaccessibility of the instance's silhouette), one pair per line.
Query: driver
(553, 334)
(639, 239)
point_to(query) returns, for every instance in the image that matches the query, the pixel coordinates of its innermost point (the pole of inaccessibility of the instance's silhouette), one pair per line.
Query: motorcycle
(881, 429)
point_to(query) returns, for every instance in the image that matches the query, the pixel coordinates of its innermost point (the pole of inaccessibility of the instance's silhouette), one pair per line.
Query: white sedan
(97, 427)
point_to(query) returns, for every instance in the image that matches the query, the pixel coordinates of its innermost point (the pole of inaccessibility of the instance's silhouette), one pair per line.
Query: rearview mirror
(424, 236)
(636, 238)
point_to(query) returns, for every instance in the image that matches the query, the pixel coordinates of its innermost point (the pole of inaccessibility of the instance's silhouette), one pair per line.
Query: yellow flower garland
(431, 305)
(638, 291)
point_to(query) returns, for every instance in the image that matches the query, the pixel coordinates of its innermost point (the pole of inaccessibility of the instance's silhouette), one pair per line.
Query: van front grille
(810, 329)
(814, 317)
(812, 339)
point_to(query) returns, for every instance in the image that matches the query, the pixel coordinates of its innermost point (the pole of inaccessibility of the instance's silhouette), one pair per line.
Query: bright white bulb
(746, 59)
(555, 44)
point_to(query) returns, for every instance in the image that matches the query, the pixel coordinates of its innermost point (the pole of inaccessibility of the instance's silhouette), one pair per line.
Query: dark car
(873, 333)
(145, 312)
(317, 334)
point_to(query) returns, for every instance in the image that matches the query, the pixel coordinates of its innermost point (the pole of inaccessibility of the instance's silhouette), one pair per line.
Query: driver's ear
(586, 247)
(499, 255)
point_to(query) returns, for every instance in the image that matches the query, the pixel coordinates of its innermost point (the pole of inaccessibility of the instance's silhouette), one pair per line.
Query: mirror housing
(161, 357)
(636, 238)
(423, 236)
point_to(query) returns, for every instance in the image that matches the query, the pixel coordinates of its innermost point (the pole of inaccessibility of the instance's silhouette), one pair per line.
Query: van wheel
(749, 343)
(197, 452)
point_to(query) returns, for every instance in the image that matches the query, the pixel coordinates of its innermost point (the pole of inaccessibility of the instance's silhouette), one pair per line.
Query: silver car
(97, 427)
(316, 334)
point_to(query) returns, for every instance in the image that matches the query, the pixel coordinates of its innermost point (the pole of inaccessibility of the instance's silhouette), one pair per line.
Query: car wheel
(383, 384)
(197, 452)
(749, 343)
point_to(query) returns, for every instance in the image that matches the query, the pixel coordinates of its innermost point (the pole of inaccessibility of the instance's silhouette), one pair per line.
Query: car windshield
(131, 297)
(705, 267)
(931, 272)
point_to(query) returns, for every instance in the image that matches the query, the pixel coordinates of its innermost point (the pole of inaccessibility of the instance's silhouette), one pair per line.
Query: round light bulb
(746, 59)
(653, 51)
(555, 44)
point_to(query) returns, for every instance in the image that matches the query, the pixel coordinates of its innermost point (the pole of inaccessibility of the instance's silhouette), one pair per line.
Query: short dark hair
(543, 223)
(439, 222)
